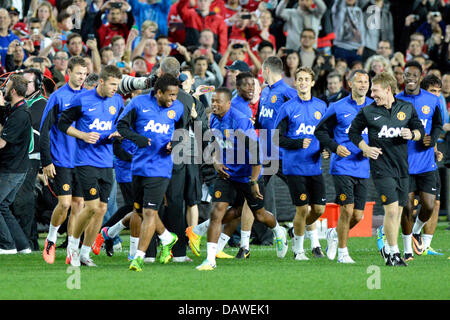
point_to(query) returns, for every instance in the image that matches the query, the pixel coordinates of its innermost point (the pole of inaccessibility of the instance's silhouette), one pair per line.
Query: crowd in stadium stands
(214, 41)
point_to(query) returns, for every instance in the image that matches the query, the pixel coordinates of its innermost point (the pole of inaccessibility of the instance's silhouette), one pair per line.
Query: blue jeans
(11, 234)
(347, 55)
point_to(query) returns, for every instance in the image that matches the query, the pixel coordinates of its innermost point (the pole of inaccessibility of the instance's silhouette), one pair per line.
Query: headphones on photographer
(38, 78)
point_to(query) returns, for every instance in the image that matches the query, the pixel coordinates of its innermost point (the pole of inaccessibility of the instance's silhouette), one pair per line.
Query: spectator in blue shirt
(6, 36)
(152, 10)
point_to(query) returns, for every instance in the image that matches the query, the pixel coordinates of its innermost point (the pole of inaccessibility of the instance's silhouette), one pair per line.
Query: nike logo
(324, 199)
(345, 116)
(298, 115)
(433, 189)
(376, 118)
(151, 204)
(91, 109)
(67, 104)
(146, 110)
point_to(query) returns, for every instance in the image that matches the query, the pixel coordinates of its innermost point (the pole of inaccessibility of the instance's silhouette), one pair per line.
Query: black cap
(13, 10)
(239, 65)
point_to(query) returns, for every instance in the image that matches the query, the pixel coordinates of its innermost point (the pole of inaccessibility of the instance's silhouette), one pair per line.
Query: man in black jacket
(15, 138)
(390, 123)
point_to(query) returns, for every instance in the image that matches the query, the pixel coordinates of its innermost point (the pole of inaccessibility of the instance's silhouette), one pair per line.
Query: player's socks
(52, 233)
(166, 237)
(278, 231)
(418, 225)
(201, 228)
(245, 239)
(211, 248)
(223, 240)
(426, 240)
(386, 247)
(342, 252)
(314, 237)
(407, 243)
(393, 249)
(74, 243)
(297, 243)
(140, 253)
(116, 229)
(84, 252)
(134, 242)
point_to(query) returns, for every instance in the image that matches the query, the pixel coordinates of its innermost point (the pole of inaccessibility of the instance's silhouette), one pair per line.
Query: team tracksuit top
(420, 158)
(241, 105)
(93, 113)
(272, 98)
(297, 119)
(336, 122)
(384, 129)
(55, 146)
(144, 118)
(227, 130)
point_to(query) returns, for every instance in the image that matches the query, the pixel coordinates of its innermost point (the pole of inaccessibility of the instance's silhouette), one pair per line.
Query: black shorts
(235, 193)
(438, 185)
(307, 190)
(66, 183)
(126, 188)
(351, 190)
(392, 189)
(193, 185)
(423, 182)
(149, 192)
(95, 182)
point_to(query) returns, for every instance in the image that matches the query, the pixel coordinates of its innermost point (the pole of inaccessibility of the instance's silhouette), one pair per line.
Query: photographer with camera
(15, 138)
(24, 204)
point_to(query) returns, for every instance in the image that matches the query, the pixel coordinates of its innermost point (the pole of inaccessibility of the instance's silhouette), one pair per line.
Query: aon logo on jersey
(424, 122)
(389, 132)
(365, 131)
(156, 127)
(101, 125)
(305, 129)
(266, 113)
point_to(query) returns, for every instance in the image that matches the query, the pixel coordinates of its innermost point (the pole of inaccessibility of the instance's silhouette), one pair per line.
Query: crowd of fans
(216, 40)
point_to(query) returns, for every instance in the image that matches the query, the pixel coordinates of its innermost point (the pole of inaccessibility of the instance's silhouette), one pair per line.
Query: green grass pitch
(262, 277)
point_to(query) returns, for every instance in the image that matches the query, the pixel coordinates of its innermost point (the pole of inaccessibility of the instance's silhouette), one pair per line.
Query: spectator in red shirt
(115, 25)
(149, 49)
(196, 20)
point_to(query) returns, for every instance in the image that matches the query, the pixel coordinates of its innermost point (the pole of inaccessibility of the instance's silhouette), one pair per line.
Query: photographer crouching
(15, 138)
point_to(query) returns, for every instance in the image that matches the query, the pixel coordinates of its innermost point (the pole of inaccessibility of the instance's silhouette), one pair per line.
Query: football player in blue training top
(91, 119)
(348, 166)
(150, 121)
(301, 157)
(58, 155)
(421, 159)
(237, 163)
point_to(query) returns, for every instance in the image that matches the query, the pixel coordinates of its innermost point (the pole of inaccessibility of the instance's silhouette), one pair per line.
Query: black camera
(117, 5)
(91, 36)
(238, 46)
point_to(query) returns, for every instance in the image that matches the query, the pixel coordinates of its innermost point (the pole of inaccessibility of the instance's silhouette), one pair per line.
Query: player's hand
(220, 169)
(115, 134)
(91, 137)
(342, 151)
(372, 152)
(169, 148)
(306, 143)
(325, 154)
(193, 112)
(50, 171)
(439, 156)
(256, 193)
(427, 141)
(406, 134)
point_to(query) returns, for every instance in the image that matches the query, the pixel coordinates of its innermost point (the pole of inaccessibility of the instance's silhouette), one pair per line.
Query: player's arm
(354, 134)
(288, 143)
(414, 129)
(324, 130)
(256, 171)
(48, 120)
(124, 125)
(436, 129)
(70, 116)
